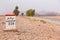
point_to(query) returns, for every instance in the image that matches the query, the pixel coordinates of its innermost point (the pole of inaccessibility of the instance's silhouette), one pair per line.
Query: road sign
(10, 22)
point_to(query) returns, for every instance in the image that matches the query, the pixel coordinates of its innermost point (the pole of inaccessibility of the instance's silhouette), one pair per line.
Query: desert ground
(50, 16)
(31, 28)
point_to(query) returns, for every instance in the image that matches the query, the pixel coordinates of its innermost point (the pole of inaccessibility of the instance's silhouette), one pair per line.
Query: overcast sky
(7, 6)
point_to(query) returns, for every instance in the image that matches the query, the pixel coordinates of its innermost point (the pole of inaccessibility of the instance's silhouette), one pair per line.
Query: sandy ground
(50, 17)
(30, 29)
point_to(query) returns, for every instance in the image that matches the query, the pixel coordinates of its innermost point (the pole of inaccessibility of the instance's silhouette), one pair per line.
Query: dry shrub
(36, 20)
(43, 21)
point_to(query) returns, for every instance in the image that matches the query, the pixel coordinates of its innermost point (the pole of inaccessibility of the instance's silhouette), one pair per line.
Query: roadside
(53, 20)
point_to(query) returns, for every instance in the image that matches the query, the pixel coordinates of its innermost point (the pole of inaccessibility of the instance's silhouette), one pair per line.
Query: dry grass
(43, 21)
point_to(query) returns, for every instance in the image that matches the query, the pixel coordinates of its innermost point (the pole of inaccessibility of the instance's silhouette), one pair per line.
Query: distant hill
(47, 14)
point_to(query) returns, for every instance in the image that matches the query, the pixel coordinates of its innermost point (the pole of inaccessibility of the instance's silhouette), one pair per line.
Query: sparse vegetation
(30, 12)
(43, 21)
(16, 11)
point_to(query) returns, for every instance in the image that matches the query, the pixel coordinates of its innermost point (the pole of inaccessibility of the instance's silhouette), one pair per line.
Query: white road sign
(10, 22)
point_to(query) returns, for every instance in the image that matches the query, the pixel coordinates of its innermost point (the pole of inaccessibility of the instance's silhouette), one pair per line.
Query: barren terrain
(30, 29)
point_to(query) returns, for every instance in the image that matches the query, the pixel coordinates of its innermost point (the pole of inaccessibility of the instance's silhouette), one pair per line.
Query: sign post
(10, 22)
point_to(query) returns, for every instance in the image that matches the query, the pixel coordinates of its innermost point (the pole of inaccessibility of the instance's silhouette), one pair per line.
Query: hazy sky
(7, 6)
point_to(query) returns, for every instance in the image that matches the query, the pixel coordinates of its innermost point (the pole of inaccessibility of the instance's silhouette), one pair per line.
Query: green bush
(16, 11)
(30, 12)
